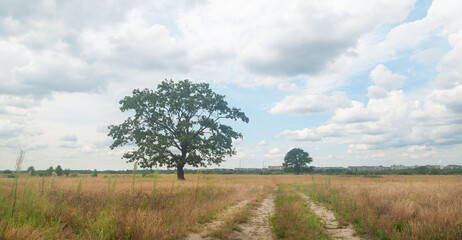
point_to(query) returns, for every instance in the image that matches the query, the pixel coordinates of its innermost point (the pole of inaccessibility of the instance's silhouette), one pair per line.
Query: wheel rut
(331, 224)
(259, 226)
(212, 225)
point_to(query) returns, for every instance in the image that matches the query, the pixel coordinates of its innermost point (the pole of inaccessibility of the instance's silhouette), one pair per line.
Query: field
(229, 206)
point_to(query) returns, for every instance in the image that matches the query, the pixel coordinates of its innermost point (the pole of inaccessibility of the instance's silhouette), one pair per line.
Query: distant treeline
(73, 173)
(415, 171)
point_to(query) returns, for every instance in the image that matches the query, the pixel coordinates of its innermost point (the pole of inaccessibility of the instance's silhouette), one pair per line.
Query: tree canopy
(178, 124)
(296, 160)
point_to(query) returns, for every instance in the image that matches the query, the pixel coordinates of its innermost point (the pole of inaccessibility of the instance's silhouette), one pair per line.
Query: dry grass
(394, 207)
(105, 208)
(294, 218)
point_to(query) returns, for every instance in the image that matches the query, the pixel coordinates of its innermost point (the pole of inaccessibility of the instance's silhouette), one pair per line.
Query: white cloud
(262, 143)
(384, 78)
(285, 86)
(376, 92)
(356, 113)
(69, 138)
(275, 150)
(309, 104)
(428, 56)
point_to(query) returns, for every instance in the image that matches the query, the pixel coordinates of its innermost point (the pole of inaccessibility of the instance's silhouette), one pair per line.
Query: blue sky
(350, 82)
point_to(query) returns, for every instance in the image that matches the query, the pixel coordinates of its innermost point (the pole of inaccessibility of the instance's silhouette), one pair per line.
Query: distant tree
(176, 125)
(94, 173)
(66, 172)
(49, 171)
(31, 170)
(59, 170)
(296, 160)
(7, 172)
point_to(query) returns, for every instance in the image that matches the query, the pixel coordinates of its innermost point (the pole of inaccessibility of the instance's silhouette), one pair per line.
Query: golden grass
(61, 207)
(391, 207)
(394, 207)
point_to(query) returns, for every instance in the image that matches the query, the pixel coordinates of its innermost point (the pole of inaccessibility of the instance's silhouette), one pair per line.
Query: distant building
(453, 167)
(275, 167)
(397, 167)
(433, 166)
(249, 169)
(322, 169)
(367, 168)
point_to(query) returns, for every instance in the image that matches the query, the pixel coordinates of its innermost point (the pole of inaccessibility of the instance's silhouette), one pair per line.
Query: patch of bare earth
(212, 225)
(331, 224)
(259, 226)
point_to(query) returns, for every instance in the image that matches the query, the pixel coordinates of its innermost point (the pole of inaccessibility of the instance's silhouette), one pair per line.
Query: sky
(351, 82)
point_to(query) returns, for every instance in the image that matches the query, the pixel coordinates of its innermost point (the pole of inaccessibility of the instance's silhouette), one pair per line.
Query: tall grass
(392, 207)
(18, 166)
(95, 208)
(293, 218)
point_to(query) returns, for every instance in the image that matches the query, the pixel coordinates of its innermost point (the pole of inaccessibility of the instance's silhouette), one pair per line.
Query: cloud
(451, 98)
(428, 56)
(321, 32)
(384, 78)
(355, 113)
(311, 103)
(275, 150)
(262, 143)
(135, 44)
(285, 86)
(376, 92)
(69, 138)
(305, 134)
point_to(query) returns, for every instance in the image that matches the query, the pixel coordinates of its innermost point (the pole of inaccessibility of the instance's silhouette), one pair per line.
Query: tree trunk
(180, 173)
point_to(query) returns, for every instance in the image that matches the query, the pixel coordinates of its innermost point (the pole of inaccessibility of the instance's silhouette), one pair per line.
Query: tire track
(331, 223)
(259, 226)
(212, 225)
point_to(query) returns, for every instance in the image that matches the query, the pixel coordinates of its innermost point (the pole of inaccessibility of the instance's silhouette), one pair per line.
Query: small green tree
(49, 171)
(59, 170)
(296, 160)
(66, 172)
(94, 173)
(31, 170)
(176, 125)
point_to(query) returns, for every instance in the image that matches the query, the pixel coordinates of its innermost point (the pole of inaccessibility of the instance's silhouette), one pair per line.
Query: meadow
(158, 206)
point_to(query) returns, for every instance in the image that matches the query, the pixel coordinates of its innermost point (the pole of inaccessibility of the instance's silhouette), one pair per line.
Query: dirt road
(331, 224)
(259, 226)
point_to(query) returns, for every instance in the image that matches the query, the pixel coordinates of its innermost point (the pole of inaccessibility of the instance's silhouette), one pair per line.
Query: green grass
(294, 219)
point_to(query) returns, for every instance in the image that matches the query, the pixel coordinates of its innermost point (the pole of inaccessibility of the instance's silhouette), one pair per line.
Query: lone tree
(59, 170)
(177, 124)
(296, 160)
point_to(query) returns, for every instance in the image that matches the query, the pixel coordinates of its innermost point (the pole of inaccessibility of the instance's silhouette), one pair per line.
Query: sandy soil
(259, 226)
(212, 225)
(331, 223)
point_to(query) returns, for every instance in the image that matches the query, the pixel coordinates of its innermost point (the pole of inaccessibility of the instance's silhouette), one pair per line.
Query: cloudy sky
(352, 82)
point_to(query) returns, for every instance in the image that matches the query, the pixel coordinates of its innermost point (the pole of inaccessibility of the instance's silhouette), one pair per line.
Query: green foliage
(296, 160)
(31, 170)
(94, 173)
(7, 172)
(184, 116)
(59, 171)
(49, 171)
(66, 171)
